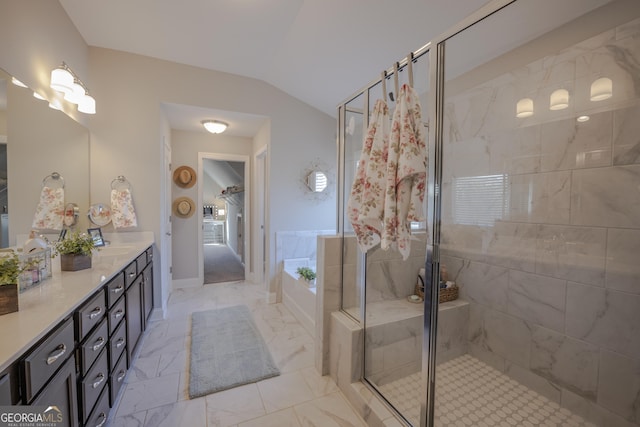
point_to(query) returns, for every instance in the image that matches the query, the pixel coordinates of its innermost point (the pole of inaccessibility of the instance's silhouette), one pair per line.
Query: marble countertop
(45, 305)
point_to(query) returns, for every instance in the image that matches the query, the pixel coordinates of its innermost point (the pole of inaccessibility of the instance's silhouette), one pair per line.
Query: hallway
(156, 389)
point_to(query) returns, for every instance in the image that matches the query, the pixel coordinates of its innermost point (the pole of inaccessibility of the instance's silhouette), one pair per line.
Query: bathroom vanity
(75, 335)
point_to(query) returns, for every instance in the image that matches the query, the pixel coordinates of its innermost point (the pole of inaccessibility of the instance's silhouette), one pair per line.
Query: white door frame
(246, 212)
(260, 236)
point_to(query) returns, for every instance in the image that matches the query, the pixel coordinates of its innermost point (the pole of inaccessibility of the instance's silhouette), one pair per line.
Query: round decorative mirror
(317, 181)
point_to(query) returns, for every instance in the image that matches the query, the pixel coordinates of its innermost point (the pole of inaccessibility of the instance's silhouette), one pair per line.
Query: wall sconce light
(601, 89)
(36, 95)
(17, 82)
(214, 126)
(64, 80)
(524, 108)
(559, 99)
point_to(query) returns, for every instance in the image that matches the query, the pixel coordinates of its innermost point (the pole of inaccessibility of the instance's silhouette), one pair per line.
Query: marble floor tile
(284, 391)
(157, 390)
(329, 411)
(230, 407)
(190, 413)
(148, 394)
(284, 418)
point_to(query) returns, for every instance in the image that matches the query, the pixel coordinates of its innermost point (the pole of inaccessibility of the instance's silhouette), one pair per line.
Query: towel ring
(120, 183)
(55, 180)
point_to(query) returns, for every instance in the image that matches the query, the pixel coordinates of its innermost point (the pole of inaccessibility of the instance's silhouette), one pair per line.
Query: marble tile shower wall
(389, 277)
(554, 283)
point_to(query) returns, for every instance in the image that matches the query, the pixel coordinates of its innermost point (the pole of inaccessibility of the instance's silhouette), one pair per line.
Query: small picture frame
(62, 235)
(96, 235)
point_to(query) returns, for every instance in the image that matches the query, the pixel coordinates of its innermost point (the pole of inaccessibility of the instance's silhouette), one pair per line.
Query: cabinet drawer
(117, 344)
(98, 417)
(116, 379)
(92, 346)
(116, 314)
(150, 254)
(90, 314)
(92, 384)
(115, 289)
(130, 273)
(141, 261)
(47, 357)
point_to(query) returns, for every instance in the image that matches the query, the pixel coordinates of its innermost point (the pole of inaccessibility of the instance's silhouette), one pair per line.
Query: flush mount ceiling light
(214, 126)
(583, 119)
(559, 99)
(524, 108)
(601, 89)
(64, 80)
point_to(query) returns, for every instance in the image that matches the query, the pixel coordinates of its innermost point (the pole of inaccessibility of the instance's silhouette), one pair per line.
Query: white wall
(128, 129)
(185, 149)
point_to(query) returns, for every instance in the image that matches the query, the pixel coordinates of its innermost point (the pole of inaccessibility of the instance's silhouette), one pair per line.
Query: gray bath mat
(227, 350)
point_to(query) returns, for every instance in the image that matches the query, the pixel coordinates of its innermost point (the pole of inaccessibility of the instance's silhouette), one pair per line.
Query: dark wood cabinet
(61, 393)
(134, 316)
(80, 366)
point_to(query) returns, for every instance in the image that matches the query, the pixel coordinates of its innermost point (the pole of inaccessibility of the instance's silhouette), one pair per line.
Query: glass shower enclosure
(534, 202)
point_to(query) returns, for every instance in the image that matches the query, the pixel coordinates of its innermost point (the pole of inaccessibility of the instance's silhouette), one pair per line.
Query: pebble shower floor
(472, 393)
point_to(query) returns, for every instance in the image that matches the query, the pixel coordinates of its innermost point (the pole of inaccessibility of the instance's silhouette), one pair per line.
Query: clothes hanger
(383, 79)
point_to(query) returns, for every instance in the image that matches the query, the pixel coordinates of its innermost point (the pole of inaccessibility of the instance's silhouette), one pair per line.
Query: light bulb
(601, 89)
(524, 108)
(559, 99)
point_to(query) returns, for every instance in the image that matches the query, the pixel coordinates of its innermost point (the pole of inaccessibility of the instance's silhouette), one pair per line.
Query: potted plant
(307, 274)
(75, 251)
(10, 269)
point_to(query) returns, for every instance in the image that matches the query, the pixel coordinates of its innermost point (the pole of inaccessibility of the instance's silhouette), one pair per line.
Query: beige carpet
(221, 264)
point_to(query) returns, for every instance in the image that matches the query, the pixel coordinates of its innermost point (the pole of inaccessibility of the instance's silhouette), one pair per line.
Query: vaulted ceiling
(319, 51)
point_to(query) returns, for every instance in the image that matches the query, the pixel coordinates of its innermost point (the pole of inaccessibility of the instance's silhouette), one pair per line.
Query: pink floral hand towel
(50, 209)
(123, 214)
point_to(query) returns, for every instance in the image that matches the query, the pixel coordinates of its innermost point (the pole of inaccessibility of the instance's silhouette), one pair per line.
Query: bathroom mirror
(38, 140)
(317, 181)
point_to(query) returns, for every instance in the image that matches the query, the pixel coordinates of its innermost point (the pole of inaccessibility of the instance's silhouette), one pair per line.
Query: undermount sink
(114, 250)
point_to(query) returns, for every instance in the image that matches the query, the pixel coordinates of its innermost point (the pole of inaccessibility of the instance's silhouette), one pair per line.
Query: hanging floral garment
(406, 173)
(365, 207)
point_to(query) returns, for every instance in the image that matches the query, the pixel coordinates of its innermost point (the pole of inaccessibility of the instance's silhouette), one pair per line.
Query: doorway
(223, 233)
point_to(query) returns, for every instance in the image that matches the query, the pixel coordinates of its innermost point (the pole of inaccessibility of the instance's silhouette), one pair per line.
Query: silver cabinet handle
(101, 378)
(120, 342)
(104, 419)
(132, 274)
(99, 343)
(61, 349)
(121, 376)
(117, 289)
(118, 314)
(95, 312)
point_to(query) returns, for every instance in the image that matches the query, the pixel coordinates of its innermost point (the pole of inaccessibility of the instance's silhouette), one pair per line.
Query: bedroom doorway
(224, 221)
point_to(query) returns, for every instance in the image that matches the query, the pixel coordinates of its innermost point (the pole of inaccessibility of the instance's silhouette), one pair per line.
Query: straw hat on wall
(183, 207)
(184, 177)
